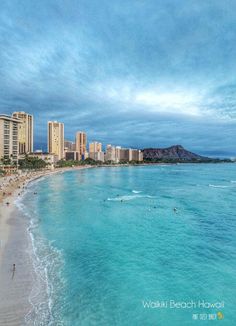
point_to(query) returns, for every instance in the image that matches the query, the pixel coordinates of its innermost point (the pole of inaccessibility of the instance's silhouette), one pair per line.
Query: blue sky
(135, 73)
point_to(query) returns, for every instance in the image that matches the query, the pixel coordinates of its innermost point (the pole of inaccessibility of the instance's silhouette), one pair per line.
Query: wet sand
(15, 286)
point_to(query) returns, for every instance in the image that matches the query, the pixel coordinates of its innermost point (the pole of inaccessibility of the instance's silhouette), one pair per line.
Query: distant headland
(176, 154)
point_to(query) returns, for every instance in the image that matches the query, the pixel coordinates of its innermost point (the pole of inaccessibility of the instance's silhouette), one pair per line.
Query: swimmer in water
(175, 210)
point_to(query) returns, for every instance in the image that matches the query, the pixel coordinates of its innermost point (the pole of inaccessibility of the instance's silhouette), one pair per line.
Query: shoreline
(16, 248)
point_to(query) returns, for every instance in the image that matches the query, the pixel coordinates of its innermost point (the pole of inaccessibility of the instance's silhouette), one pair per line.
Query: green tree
(33, 163)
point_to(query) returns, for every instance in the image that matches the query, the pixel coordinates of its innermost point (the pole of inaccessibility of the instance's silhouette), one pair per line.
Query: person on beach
(13, 270)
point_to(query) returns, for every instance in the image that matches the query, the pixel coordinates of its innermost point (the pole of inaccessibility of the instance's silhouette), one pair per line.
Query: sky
(138, 73)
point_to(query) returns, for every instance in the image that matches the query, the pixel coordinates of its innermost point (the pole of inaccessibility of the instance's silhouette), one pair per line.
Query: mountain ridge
(175, 152)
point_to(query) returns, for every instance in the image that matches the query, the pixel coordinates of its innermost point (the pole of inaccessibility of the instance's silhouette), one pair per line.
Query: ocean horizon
(137, 245)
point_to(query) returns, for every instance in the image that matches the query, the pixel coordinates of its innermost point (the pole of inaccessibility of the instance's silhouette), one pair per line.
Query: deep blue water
(108, 241)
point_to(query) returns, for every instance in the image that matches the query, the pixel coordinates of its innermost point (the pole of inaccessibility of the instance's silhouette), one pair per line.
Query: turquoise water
(108, 242)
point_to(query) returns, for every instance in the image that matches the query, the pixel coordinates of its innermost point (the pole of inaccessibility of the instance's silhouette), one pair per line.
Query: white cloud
(176, 102)
(182, 102)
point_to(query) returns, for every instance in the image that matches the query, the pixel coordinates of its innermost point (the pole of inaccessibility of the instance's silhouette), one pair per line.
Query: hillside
(173, 153)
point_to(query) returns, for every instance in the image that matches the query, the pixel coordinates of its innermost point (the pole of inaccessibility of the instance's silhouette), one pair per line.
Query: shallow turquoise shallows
(135, 246)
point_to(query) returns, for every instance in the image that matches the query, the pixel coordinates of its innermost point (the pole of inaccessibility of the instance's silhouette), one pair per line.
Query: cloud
(132, 72)
(153, 99)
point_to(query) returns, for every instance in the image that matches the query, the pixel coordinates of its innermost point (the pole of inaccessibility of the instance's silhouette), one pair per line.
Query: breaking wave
(218, 186)
(129, 197)
(46, 262)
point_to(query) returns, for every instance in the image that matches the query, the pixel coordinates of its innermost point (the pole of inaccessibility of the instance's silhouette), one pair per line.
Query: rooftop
(9, 118)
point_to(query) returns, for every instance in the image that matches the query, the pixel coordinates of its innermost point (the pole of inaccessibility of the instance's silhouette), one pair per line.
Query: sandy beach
(15, 247)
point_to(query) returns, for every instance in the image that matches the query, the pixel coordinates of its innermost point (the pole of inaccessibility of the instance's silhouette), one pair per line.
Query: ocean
(145, 245)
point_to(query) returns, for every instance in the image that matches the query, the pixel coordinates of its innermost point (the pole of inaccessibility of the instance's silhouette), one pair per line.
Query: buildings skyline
(17, 139)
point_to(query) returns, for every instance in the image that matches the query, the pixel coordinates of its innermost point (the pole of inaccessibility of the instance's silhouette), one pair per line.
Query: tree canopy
(34, 163)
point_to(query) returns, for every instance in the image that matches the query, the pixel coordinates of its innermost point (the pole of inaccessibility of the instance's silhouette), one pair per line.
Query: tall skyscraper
(56, 138)
(136, 155)
(9, 149)
(110, 153)
(124, 155)
(81, 143)
(95, 151)
(118, 154)
(95, 147)
(26, 131)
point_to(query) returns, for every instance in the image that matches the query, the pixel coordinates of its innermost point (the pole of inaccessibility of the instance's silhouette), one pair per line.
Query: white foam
(129, 197)
(218, 186)
(136, 191)
(41, 298)
(44, 258)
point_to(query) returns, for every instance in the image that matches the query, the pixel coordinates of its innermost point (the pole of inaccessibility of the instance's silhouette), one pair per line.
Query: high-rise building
(124, 155)
(97, 156)
(95, 147)
(110, 153)
(95, 151)
(118, 154)
(69, 145)
(140, 157)
(136, 155)
(56, 138)
(25, 132)
(81, 143)
(9, 127)
(72, 155)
